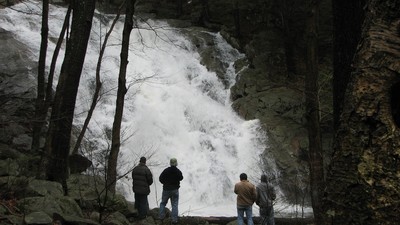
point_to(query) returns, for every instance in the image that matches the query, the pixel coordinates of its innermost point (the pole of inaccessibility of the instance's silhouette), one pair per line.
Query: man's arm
(162, 177)
(149, 177)
(273, 194)
(180, 176)
(258, 196)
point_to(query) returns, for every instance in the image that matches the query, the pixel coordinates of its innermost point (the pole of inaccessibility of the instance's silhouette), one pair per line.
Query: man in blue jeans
(246, 196)
(170, 178)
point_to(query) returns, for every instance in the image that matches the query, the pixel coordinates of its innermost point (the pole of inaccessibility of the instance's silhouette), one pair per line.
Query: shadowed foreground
(196, 220)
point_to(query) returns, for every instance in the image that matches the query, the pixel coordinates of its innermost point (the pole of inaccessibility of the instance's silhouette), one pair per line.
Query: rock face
(17, 79)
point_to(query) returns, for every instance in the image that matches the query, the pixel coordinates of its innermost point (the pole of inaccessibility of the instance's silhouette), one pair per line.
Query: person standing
(142, 178)
(265, 197)
(170, 178)
(246, 195)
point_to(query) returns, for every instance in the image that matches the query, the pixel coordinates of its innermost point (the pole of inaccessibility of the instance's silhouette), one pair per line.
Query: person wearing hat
(142, 178)
(170, 178)
(246, 196)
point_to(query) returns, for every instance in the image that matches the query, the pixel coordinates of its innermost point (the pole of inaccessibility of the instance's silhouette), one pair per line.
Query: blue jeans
(249, 214)
(267, 215)
(174, 196)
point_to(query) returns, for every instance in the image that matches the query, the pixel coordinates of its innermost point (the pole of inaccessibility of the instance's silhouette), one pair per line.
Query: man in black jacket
(170, 178)
(142, 178)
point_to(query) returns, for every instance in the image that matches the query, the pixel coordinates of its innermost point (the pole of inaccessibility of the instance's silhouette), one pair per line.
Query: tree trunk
(41, 173)
(96, 95)
(116, 131)
(58, 139)
(286, 11)
(347, 19)
(363, 181)
(40, 112)
(313, 113)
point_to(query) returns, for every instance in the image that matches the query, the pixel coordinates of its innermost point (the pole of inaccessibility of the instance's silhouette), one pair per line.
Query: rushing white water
(174, 107)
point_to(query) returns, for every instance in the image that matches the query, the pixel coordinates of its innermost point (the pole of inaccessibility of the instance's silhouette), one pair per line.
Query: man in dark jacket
(142, 178)
(265, 197)
(170, 178)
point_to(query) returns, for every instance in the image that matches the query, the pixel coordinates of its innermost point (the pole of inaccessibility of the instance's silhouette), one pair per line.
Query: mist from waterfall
(174, 107)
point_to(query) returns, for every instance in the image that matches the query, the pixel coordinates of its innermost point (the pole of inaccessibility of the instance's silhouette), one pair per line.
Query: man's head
(173, 162)
(142, 159)
(243, 176)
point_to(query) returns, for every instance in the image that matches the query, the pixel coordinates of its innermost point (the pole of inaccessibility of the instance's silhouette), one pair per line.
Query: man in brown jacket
(246, 196)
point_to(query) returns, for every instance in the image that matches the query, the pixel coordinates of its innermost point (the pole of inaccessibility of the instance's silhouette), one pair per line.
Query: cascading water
(174, 107)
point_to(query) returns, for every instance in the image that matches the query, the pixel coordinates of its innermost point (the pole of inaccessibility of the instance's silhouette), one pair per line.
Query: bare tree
(49, 95)
(313, 113)
(59, 134)
(116, 131)
(40, 112)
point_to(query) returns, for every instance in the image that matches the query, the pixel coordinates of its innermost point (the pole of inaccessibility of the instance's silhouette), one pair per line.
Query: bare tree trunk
(289, 39)
(49, 89)
(116, 131)
(363, 180)
(96, 94)
(347, 17)
(59, 135)
(40, 113)
(41, 173)
(313, 113)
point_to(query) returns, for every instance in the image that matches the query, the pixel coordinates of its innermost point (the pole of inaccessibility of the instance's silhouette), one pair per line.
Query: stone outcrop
(43, 202)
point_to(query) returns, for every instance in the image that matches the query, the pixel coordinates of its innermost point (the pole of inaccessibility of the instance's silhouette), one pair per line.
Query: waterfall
(174, 107)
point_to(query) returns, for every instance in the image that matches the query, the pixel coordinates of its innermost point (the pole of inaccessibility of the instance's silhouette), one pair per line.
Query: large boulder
(37, 218)
(118, 218)
(49, 204)
(44, 187)
(6, 152)
(9, 167)
(78, 163)
(72, 220)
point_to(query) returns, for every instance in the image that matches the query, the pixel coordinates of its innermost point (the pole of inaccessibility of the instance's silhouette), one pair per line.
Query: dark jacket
(141, 179)
(170, 178)
(265, 194)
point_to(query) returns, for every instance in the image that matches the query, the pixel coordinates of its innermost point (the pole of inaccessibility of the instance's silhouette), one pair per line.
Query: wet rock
(37, 218)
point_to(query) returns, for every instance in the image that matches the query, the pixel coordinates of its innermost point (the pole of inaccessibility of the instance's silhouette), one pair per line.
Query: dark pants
(142, 205)
(267, 215)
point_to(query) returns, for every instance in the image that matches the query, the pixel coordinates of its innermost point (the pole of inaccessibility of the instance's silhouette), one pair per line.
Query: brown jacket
(246, 193)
